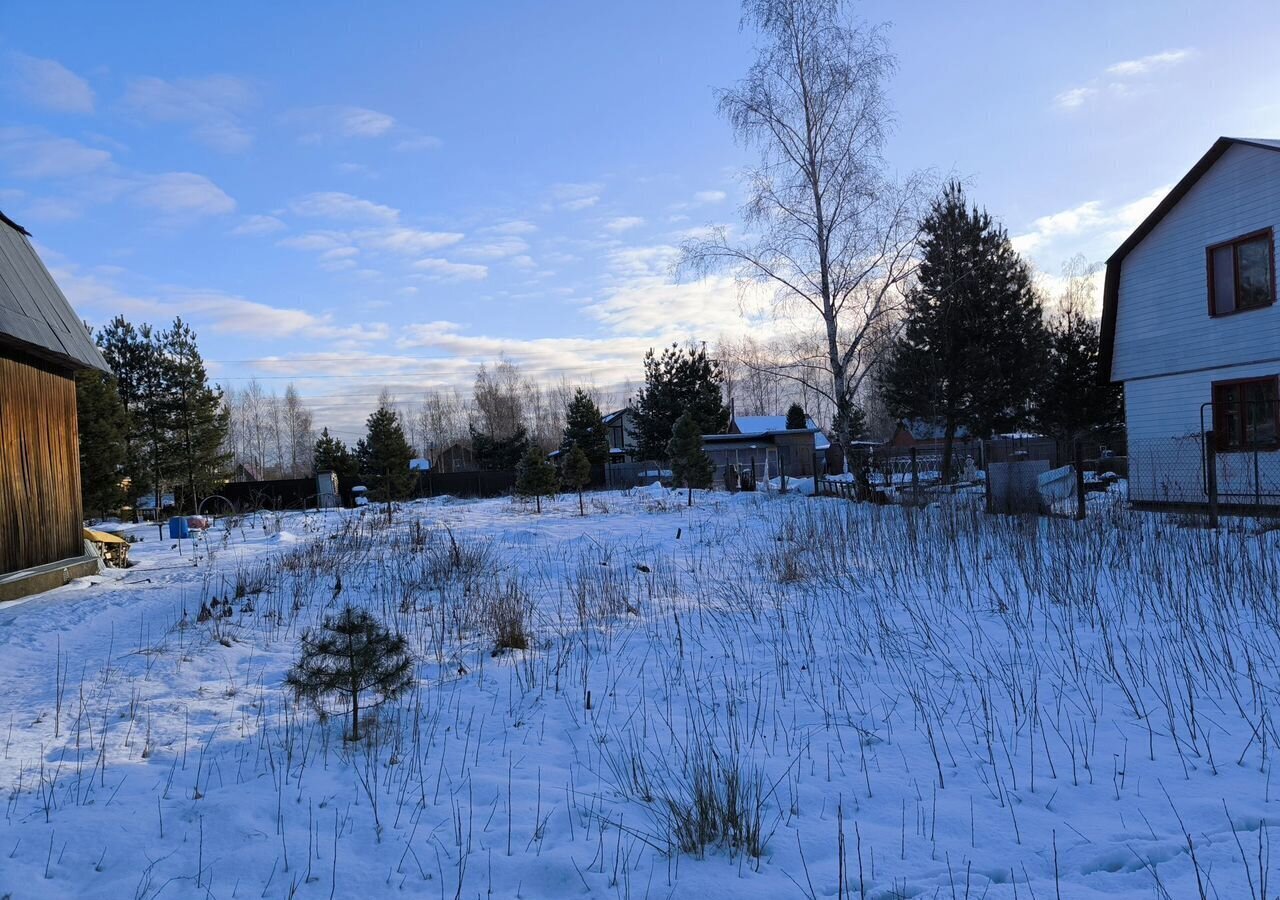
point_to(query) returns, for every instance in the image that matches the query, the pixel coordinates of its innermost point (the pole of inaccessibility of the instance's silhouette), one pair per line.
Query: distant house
(42, 345)
(1191, 328)
(457, 457)
(764, 444)
(622, 439)
(419, 464)
(245, 472)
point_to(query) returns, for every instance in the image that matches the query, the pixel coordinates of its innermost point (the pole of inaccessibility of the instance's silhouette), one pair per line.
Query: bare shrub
(507, 615)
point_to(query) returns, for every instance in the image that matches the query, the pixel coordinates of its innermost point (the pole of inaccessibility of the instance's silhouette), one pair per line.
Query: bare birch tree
(831, 232)
(300, 434)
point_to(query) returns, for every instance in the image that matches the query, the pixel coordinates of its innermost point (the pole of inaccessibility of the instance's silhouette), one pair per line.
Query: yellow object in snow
(114, 549)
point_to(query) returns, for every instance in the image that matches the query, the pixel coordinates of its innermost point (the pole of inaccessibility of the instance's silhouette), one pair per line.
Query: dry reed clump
(508, 615)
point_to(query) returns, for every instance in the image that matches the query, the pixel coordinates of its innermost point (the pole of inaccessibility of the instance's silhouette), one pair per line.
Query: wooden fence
(40, 514)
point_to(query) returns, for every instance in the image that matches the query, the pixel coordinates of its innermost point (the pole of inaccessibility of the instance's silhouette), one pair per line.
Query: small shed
(42, 345)
(457, 457)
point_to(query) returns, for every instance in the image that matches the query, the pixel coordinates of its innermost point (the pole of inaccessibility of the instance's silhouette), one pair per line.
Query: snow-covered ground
(886, 702)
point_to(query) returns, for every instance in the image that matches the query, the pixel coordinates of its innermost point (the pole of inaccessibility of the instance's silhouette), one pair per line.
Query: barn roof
(35, 316)
(1111, 286)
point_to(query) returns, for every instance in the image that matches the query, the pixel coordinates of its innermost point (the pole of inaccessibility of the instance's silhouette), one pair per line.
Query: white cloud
(218, 312)
(341, 122)
(1118, 79)
(444, 270)
(709, 197)
(515, 226)
(183, 194)
(497, 249)
(623, 223)
(575, 195)
(409, 241)
(421, 142)
(253, 226)
(1073, 98)
(339, 205)
(316, 241)
(211, 106)
(34, 154)
(50, 84)
(1089, 227)
(1147, 64)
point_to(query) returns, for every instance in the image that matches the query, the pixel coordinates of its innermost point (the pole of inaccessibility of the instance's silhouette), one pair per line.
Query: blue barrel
(178, 527)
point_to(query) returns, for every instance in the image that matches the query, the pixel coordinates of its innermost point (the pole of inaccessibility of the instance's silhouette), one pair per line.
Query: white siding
(1163, 419)
(1162, 319)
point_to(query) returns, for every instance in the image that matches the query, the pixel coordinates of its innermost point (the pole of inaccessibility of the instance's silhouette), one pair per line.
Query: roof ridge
(14, 225)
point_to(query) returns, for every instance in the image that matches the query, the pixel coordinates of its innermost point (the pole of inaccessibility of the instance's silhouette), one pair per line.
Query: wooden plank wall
(40, 514)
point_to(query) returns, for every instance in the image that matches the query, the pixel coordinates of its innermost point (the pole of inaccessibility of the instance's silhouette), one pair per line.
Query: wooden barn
(42, 345)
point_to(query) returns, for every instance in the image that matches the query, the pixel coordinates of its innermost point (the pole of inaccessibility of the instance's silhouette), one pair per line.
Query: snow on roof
(766, 424)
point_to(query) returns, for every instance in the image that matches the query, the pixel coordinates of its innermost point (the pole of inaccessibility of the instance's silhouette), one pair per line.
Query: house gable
(1163, 326)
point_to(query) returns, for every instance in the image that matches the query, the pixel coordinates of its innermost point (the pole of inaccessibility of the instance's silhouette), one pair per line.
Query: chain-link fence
(1016, 475)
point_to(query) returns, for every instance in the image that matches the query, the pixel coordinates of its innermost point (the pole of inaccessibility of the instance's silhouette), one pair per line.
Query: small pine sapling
(577, 474)
(535, 476)
(351, 653)
(690, 465)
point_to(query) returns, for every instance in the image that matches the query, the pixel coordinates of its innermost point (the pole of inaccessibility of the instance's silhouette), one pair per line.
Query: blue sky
(415, 188)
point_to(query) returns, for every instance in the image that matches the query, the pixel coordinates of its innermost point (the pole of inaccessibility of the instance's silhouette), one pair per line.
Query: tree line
(154, 422)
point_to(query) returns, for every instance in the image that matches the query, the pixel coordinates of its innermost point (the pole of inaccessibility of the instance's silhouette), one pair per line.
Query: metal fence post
(1080, 504)
(1211, 476)
(915, 478)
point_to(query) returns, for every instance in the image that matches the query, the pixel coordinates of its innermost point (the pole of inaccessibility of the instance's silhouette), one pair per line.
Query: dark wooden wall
(40, 515)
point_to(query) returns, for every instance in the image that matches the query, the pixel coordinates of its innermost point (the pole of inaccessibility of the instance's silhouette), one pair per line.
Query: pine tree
(352, 653)
(796, 417)
(974, 343)
(690, 465)
(131, 357)
(584, 427)
(332, 455)
(199, 419)
(1073, 400)
(535, 476)
(681, 380)
(384, 455)
(102, 426)
(577, 473)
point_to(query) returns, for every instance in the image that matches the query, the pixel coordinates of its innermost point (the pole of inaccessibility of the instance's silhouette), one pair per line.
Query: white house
(1191, 327)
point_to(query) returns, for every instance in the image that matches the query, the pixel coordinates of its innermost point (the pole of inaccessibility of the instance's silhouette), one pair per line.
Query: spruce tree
(332, 455)
(199, 419)
(682, 380)
(974, 344)
(102, 426)
(499, 454)
(1074, 399)
(384, 455)
(796, 417)
(535, 476)
(584, 427)
(351, 654)
(131, 357)
(690, 466)
(577, 474)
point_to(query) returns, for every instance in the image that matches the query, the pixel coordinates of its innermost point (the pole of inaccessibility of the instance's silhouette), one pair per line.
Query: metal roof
(35, 316)
(1111, 286)
(761, 425)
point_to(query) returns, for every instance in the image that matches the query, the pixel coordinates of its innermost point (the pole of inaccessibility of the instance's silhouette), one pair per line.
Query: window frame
(1224, 442)
(1233, 243)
